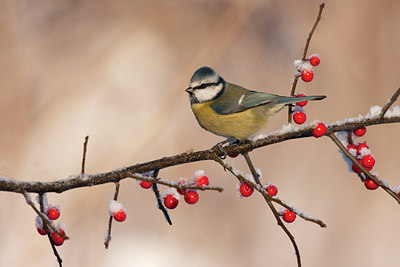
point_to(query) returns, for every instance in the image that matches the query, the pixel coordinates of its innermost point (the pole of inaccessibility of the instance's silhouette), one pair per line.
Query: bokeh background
(117, 70)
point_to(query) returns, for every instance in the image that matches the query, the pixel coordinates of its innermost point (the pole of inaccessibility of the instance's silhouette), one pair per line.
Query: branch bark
(75, 181)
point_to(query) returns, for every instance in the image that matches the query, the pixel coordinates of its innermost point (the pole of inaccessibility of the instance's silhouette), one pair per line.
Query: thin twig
(110, 220)
(260, 189)
(42, 216)
(296, 78)
(45, 226)
(252, 168)
(321, 7)
(274, 211)
(366, 173)
(390, 102)
(84, 156)
(160, 204)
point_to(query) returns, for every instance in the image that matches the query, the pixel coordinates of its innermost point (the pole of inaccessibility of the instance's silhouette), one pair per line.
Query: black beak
(189, 90)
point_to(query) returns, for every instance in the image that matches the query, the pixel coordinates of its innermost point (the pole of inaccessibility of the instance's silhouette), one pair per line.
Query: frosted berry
(314, 60)
(183, 190)
(170, 202)
(203, 180)
(41, 231)
(320, 130)
(120, 216)
(191, 197)
(368, 161)
(56, 238)
(352, 146)
(307, 75)
(272, 190)
(246, 190)
(370, 184)
(146, 185)
(302, 103)
(299, 117)
(53, 213)
(289, 216)
(360, 131)
(361, 146)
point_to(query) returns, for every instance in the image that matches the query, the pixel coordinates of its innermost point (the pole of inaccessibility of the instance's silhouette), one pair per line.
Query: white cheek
(208, 94)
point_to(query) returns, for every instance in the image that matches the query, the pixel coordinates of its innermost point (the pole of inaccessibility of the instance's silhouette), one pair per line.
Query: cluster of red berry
(117, 211)
(364, 156)
(52, 213)
(246, 190)
(171, 195)
(307, 74)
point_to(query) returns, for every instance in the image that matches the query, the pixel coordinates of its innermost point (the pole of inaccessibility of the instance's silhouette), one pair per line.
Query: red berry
(370, 184)
(183, 190)
(170, 202)
(120, 216)
(56, 238)
(53, 213)
(355, 168)
(246, 190)
(307, 75)
(352, 146)
(272, 190)
(203, 180)
(361, 146)
(314, 60)
(41, 231)
(191, 197)
(320, 130)
(234, 155)
(368, 161)
(360, 131)
(289, 216)
(146, 185)
(302, 103)
(299, 117)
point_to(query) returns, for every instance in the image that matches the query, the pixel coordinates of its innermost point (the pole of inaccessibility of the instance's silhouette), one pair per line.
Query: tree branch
(366, 173)
(287, 133)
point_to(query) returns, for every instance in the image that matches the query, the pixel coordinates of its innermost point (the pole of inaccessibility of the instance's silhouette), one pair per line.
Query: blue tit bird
(230, 110)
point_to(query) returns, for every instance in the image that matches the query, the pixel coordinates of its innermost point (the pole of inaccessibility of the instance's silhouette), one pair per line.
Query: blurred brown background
(117, 70)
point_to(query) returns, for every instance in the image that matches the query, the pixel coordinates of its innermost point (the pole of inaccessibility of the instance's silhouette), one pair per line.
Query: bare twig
(110, 220)
(366, 173)
(45, 226)
(274, 211)
(321, 7)
(296, 78)
(158, 198)
(390, 102)
(84, 156)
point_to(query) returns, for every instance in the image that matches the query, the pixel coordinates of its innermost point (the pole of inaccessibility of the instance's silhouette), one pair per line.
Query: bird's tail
(294, 99)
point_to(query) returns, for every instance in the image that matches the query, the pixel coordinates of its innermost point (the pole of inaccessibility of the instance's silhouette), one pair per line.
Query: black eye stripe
(204, 85)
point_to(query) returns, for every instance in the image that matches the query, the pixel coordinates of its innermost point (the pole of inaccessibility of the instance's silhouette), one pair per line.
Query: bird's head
(205, 85)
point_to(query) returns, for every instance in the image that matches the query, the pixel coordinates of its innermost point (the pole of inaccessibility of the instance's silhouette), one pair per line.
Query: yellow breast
(241, 125)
